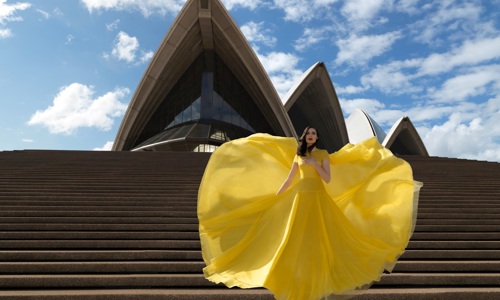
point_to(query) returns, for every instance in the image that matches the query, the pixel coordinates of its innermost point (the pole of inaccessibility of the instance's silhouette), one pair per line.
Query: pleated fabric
(315, 240)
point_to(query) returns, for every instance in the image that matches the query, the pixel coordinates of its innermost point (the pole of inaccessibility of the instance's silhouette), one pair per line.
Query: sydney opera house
(115, 225)
(205, 86)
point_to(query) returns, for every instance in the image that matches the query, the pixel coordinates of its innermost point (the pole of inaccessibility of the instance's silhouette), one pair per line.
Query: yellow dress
(315, 240)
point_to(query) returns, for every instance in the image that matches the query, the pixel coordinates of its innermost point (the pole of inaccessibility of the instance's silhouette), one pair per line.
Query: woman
(314, 235)
(319, 161)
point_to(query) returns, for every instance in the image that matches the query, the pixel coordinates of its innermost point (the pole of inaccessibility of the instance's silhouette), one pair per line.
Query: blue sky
(68, 68)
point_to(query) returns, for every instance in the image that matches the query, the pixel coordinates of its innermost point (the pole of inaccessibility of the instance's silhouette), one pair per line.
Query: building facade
(205, 86)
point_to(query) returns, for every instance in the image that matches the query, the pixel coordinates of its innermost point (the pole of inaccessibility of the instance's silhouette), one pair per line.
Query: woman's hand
(323, 169)
(310, 161)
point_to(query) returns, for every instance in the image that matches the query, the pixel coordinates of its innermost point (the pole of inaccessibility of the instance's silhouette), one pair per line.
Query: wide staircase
(122, 225)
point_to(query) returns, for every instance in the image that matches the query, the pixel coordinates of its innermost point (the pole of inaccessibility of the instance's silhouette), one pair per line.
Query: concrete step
(122, 225)
(39, 255)
(460, 210)
(194, 235)
(98, 227)
(138, 294)
(190, 280)
(452, 254)
(454, 236)
(195, 255)
(102, 267)
(139, 212)
(461, 266)
(103, 280)
(99, 235)
(457, 221)
(100, 220)
(195, 267)
(432, 293)
(462, 215)
(57, 200)
(100, 244)
(454, 245)
(457, 228)
(241, 294)
(441, 279)
(194, 244)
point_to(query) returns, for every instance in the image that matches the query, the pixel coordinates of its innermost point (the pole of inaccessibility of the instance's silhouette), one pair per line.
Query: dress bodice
(308, 171)
(310, 180)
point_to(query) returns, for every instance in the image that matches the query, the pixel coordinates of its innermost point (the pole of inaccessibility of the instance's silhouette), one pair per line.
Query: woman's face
(311, 136)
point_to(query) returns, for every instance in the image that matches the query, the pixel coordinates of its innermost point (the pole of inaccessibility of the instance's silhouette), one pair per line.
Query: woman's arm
(291, 175)
(323, 169)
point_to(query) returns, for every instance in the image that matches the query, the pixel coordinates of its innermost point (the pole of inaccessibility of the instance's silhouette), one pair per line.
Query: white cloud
(423, 113)
(74, 107)
(146, 7)
(230, 4)
(45, 15)
(125, 47)
(304, 10)
(397, 77)
(393, 77)
(463, 130)
(107, 147)
(27, 140)
(282, 69)
(69, 39)
(407, 6)
(350, 89)
(467, 85)
(277, 62)
(256, 33)
(311, 37)
(360, 14)
(146, 56)
(370, 106)
(450, 17)
(359, 50)
(471, 52)
(7, 14)
(113, 25)
(58, 12)
(362, 10)
(5, 33)
(459, 129)
(470, 134)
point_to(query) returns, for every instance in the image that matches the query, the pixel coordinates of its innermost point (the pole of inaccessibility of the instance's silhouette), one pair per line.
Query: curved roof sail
(360, 126)
(313, 101)
(203, 47)
(403, 138)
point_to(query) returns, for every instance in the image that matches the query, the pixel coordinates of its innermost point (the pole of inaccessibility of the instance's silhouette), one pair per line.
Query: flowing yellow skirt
(314, 240)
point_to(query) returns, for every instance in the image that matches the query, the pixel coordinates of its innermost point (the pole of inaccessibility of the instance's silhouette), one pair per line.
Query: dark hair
(302, 147)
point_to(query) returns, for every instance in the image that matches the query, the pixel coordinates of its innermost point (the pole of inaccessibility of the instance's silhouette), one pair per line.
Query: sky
(68, 68)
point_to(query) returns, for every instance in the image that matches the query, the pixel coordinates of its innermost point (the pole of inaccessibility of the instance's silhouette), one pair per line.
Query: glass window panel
(182, 95)
(207, 95)
(218, 135)
(205, 148)
(226, 112)
(200, 131)
(171, 133)
(196, 106)
(235, 118)
(217, 106)
(186, 115)
(241, 109)
(182, 132)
